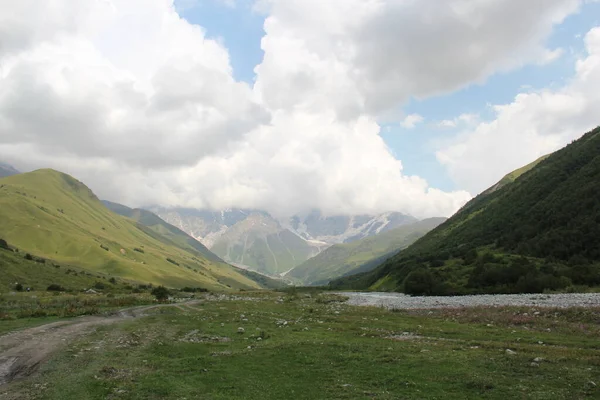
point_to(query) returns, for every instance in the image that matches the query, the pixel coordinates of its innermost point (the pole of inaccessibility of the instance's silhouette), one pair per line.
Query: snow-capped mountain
(255, 239)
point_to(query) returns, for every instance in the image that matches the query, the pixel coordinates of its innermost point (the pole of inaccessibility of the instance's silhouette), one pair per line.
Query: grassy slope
(53, 215)
(327, 351)
(512, 176)
(261, 244)
(16, 269)
(344, 259)
(551, 212)
(163, 228)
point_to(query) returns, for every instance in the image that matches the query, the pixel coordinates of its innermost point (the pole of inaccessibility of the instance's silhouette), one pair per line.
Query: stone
(510, 352)
(241, 330)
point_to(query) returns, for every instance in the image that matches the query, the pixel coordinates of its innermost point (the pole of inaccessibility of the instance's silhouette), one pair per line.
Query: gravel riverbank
(402, 301)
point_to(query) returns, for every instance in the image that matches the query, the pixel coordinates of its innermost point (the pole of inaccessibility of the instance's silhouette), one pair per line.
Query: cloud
(139, 104)
(361, 56)
(463, 119)
(410, 121)
(534, 124)
(143, 88)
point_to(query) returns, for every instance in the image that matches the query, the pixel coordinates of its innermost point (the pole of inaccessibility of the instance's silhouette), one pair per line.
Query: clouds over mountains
(140, 104)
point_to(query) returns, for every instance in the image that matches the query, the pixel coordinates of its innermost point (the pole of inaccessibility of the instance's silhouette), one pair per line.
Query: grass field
(311, 346)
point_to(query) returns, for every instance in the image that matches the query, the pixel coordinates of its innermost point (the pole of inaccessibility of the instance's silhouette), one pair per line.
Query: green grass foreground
(302, 346)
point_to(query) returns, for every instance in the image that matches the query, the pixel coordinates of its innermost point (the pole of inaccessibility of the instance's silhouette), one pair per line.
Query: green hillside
(512, 176)
(38, 274)
(53, 215)
(349, 258)
(538, 233)
(163, 228)
(260, 243)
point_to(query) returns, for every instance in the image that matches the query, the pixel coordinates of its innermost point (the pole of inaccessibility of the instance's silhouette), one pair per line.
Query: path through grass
(295, 346)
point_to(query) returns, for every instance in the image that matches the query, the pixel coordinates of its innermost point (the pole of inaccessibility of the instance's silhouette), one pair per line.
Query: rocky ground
(402, 301)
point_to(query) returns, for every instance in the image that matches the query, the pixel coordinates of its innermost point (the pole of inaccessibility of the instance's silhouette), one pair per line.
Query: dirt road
(22, 352)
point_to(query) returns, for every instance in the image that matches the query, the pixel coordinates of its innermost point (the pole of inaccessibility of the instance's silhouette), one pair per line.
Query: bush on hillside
(194, 290)
(55, 288)
(28, 257)
(419, 283)
(19, 287)
(172, 261)
(161, 293)
(4, 244)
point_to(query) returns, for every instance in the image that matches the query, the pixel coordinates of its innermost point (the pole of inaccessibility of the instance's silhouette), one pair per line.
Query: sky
(348, 106)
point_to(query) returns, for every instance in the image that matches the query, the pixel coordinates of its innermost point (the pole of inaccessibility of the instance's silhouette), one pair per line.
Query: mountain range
(361, 255)
(256, 240)
(7, 170)
(536, 230)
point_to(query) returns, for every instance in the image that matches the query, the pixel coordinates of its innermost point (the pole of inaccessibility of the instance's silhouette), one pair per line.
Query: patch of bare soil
(22, 352)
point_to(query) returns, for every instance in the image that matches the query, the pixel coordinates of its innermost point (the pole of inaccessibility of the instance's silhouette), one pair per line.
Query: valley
(274, 246)
(284, 199)
(130, 306)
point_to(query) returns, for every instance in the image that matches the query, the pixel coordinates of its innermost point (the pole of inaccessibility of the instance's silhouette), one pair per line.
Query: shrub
(19, 287)
(138, 250)
(161, 293)
(28, 257)
(193, 290)
(419, 283)
(99, 285)
(470, 256)
(113, 281)
(55, 288)
(4, 244)
(172, 261)
(103, 247)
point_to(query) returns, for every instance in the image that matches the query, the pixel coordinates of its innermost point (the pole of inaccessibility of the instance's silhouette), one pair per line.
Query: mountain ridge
(257, 240)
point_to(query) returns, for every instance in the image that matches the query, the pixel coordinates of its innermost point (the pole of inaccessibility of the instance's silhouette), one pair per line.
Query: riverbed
(402, 301)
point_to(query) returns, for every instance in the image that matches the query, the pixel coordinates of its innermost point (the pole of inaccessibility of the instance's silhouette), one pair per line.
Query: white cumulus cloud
(141, 105)
(412, 120)
(534, 124)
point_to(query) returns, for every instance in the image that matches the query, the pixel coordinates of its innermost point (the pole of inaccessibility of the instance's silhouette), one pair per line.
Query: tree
(161, 293)
(419, 283)
(470, 256)
(55, 288)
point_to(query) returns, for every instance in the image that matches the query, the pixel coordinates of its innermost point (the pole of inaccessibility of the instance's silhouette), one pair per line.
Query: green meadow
(270, 345)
